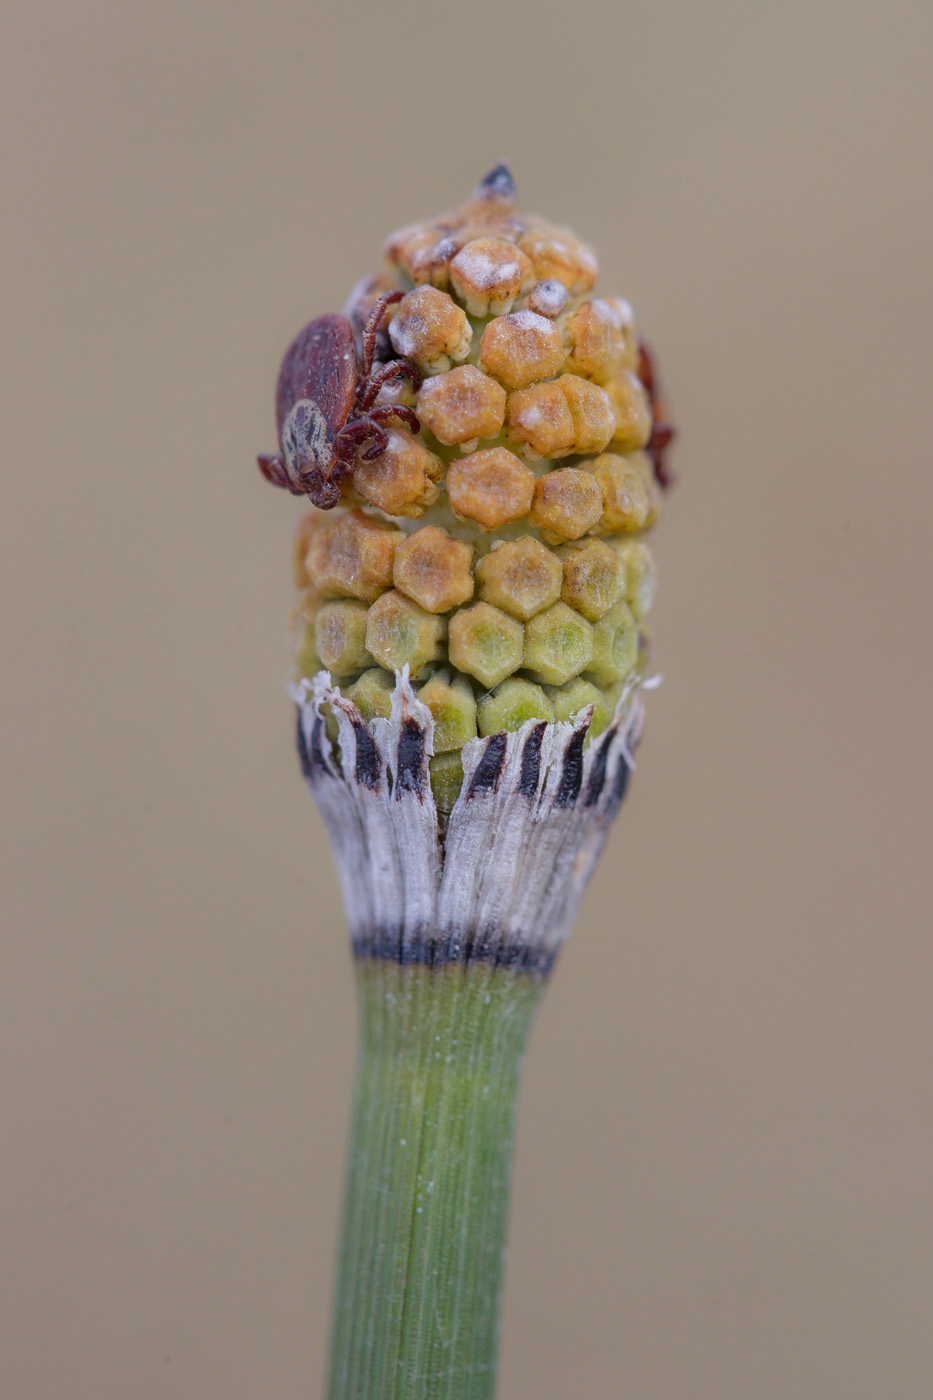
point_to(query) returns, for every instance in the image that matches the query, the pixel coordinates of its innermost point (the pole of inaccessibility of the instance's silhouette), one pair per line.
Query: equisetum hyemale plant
(483, 439)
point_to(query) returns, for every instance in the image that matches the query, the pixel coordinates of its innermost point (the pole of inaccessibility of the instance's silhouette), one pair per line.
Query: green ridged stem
(420, 1269)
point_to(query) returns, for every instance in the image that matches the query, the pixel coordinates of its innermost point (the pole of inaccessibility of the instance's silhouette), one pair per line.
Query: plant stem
(420, 1271)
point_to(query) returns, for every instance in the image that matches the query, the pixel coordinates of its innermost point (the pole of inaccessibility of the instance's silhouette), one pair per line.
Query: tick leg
(353, 435)
(385, 411)
(367, 389)
(370, 330)
(645, 369)
(662, 433)
(380, 442)
(273, 469)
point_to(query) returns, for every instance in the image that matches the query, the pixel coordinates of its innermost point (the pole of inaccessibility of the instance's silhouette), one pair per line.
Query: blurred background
(723, 1183)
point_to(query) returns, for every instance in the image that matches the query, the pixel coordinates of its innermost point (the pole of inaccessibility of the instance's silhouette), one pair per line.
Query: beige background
(725, 1165)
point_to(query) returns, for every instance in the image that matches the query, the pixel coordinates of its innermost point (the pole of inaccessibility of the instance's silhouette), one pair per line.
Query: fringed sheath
(501, 880)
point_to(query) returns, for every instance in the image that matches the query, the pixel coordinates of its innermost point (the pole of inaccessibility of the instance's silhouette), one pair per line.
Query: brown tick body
(325, 406)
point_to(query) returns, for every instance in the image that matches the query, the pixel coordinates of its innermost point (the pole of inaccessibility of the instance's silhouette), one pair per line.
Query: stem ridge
(420, 1277)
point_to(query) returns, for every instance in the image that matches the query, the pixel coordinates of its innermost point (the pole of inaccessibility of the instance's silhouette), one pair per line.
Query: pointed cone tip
(498, 184)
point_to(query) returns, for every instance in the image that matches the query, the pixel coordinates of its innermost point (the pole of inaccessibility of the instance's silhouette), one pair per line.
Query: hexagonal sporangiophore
(625, 319)
(594, 577)
(559, 254)
(641, 576)
(520, 576)
(401, 480)
(512, 703)
(486, 643)
(340, 636)
(540, 423)
(521, 348)
(453, 708)
(353, 555)
(424, 252)
(615, 646)
(488, 273)
(567, 503)
(446, 770)
(591, 410)
(462, 405)
(372, 693)
(628, 490)
(548, 298)
(568, 700)
(433, 569)
(632, 409)
(558, 644)
(491, 487)
(431, 329)
(399, 633)
(597, 341)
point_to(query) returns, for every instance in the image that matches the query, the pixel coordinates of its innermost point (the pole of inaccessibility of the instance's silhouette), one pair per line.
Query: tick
(325, 405)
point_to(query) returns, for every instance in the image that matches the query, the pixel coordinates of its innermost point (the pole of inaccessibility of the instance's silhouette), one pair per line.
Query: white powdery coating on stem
(520, 843)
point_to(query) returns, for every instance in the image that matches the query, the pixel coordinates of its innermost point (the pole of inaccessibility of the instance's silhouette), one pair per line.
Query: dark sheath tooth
(411, 765)
(572, 774)
(488, 773)
(531, 761)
